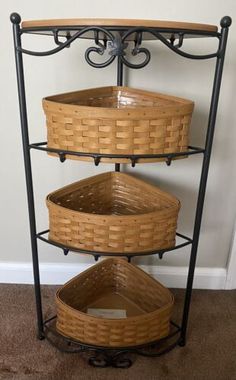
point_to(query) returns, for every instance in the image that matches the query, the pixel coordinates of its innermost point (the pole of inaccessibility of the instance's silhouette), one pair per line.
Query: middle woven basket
(113, 212)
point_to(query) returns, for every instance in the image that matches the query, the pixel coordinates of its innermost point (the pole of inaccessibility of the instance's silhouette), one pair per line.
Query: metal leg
(225, 23)
(119, 83)
(15, 19)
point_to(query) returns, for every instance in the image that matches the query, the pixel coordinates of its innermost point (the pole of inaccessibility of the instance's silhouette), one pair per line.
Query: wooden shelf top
(43, 25)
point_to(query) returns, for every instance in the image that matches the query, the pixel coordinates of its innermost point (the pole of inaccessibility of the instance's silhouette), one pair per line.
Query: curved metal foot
(104, 359)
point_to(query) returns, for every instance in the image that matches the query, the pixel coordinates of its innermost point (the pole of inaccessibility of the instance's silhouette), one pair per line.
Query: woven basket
(118, 120)
(114, 284)
(113, 212)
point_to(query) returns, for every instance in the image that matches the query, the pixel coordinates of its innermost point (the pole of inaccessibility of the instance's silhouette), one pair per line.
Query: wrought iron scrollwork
(169, 43)
(100, 49)
(136, 51)
(116, 44)
(71, 38)
(56, 37)
(104, 358)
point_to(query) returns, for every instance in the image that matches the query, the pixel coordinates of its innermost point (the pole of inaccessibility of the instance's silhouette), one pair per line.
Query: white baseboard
(56, 274)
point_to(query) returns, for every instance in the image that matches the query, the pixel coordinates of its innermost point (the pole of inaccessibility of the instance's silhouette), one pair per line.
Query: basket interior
(114, 284)
(116, 97)
(111, 194)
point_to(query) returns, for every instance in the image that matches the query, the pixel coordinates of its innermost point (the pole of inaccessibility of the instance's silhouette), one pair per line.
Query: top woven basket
(118, 120)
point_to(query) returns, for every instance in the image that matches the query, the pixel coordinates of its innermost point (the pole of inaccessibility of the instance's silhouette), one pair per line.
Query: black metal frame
(115, 41)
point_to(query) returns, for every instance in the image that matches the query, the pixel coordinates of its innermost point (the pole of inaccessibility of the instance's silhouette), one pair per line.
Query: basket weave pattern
(118, 120)
(113, 212)
(117, 276)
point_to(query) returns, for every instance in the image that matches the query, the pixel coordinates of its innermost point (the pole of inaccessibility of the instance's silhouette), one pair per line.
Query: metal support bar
(119, 71)
(119, 83)
(225, 23)
(15, 19)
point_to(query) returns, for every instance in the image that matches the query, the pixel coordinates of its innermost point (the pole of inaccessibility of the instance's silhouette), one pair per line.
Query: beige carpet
(210, 353)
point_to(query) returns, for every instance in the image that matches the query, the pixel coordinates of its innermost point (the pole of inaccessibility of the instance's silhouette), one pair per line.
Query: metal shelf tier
(134, 158)
(129, 256)
(112, 37)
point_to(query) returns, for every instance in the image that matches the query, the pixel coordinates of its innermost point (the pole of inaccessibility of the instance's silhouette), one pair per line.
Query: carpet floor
(210, 352)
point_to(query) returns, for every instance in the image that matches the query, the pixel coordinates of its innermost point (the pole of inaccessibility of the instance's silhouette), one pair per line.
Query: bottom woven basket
(114, 288)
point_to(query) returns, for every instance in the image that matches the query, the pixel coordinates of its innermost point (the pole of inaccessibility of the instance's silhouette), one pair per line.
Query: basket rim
(116, 320)
(171, 198)
(53, 100)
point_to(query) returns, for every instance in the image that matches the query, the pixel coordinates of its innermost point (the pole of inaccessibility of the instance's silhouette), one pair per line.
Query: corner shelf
(113, 36)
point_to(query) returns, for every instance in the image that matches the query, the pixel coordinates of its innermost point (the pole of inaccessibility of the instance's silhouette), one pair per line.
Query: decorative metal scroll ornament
(117, 48)
(104, 358)
(71, 38)
(116, 44)
(168, 43)
(100, 49)
(136, 51)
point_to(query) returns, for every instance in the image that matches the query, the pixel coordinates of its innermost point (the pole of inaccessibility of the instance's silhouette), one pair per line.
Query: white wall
(166, 73)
